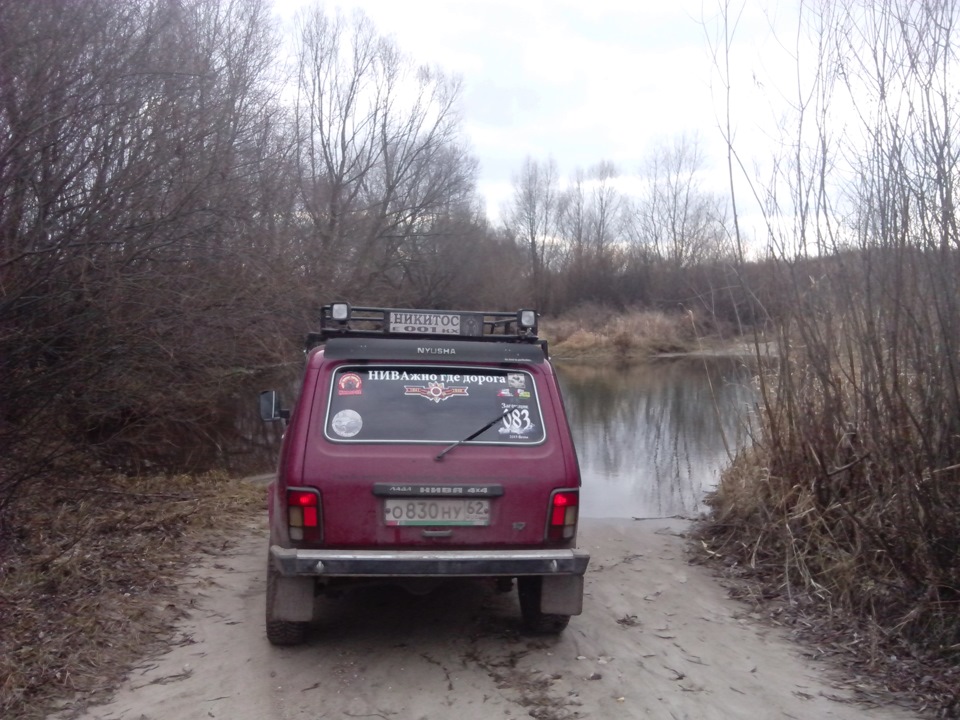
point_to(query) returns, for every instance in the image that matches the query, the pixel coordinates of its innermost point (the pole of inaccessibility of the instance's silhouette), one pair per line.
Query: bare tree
(378, 149)
(533, 217)
(574, 220)
(681, 222)
(460, 262)
(591, 235)
(607, 205)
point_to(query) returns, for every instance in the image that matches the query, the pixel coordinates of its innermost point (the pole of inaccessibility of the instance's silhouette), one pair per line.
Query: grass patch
(89, 577)
(598, 332)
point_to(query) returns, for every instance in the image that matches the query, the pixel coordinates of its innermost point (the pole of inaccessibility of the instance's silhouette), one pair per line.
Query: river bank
(597, 335)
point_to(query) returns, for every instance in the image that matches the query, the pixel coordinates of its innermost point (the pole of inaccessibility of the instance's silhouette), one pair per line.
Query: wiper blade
(471, 437)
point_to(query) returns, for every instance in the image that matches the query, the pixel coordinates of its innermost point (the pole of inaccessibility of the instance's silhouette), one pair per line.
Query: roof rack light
(340, 311)
(527, 320)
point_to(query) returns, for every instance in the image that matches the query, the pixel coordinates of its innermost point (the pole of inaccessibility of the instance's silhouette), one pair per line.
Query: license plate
(409, 511)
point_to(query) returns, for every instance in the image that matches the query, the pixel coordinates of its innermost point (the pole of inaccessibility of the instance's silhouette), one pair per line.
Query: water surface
(652, 438)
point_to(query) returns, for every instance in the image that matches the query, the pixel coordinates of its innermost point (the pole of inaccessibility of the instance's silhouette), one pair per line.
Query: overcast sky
(588, 80)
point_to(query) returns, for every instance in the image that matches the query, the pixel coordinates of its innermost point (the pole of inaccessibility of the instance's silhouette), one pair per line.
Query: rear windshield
(428, 404)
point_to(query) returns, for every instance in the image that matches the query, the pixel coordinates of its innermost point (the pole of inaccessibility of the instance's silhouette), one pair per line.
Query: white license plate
(426, 511)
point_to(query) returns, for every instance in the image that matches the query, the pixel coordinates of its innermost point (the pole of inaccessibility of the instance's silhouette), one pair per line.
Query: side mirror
(270, 409)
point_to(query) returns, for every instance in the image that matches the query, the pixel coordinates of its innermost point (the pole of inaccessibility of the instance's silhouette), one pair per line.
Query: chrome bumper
(415, 563)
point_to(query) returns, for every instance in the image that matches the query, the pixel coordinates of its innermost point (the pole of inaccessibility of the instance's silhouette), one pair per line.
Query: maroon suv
(424, 445)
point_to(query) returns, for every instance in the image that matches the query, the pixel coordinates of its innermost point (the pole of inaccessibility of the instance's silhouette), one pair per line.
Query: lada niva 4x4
(424, 445)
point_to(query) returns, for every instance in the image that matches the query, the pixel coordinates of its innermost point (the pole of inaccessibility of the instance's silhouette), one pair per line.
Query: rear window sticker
(347, 423)
(516, 380)
(350, 384)
(505, 392)
(516, 422)
(434, 391)
(523, 394)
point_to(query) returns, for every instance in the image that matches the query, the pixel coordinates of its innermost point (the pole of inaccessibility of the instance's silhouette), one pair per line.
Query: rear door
(407, 455)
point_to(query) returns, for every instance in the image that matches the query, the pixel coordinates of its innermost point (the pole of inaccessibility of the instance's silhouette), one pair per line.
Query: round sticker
(347, 423)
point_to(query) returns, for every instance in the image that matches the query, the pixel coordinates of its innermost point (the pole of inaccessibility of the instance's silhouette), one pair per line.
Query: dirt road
(658, 639)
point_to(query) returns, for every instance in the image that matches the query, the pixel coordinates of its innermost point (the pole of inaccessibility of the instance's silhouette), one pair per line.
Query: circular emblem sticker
(347, 423)
(350, 384)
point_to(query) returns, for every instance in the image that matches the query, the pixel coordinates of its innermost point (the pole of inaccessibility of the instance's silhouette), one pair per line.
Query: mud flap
(562, 595)
(293, 599)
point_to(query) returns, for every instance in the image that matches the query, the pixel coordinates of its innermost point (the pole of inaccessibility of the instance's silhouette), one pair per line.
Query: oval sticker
(347, 423)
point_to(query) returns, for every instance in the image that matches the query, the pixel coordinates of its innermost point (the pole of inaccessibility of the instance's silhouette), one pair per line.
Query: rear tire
(283, 633)
(530, 590)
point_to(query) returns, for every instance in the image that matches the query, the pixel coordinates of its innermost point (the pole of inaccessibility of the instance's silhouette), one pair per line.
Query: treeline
(179, 196)
(665, 244)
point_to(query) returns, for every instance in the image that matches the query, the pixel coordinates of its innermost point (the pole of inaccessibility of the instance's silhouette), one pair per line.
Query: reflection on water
(653, 438)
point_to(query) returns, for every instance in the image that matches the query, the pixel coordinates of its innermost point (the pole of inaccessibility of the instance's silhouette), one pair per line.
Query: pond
(652, 438)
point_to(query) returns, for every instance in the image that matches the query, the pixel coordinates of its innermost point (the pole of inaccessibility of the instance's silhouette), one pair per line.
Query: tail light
(564, 507)
(303, 514)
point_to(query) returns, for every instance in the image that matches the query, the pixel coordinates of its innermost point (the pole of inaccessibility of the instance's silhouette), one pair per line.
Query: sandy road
(658, 639)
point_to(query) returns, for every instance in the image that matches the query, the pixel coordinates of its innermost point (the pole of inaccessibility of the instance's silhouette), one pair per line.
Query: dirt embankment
(659, 638)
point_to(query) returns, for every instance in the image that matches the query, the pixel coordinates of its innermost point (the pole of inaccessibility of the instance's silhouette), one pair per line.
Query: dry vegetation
(832, 574)
(594, 332)
(846, 508)
(89, 577)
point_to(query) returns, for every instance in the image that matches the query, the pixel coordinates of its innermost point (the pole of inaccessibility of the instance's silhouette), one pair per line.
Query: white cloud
(585, 81)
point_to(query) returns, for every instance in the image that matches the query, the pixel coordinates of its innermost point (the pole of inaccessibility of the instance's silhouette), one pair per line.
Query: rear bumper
(291, 562)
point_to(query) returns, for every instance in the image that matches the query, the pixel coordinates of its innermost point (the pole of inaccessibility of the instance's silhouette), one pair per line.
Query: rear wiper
(471, 437)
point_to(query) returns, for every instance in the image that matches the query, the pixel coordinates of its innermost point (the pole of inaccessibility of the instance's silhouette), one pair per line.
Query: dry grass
(593, 331)
(844, 514)
(89, 573)
(850, 554)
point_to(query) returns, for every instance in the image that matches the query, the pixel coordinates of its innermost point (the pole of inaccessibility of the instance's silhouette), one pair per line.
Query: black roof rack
(341, 320)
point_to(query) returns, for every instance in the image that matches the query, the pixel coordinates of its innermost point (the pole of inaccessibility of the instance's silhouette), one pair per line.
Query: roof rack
(339, 319)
